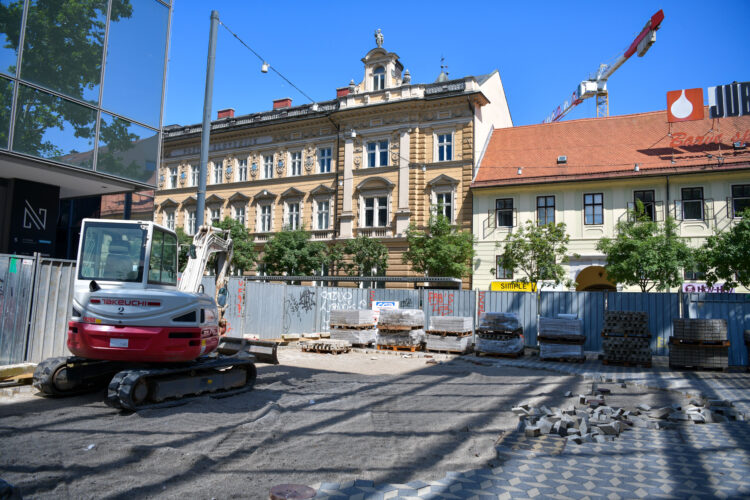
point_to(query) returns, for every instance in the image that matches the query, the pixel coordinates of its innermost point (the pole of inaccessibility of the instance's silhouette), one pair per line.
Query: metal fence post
(30, 307)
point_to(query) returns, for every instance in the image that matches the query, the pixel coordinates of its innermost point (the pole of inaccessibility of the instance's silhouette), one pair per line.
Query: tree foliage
(244, 255)
(726, 255)
(442, 250)
(184, 240)
(537, 251)
(646, 253)
(368, 256)
(292, 253)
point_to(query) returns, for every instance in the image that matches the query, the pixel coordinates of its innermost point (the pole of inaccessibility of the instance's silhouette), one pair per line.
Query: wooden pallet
(448, 351)
(353, 327)
(702, 368)
(698, 343)
(446, 333)
(400, 348)
(565, 360)
(641, 364)
(24, 379)
(500, 354)
(325, 350)
(398, 328)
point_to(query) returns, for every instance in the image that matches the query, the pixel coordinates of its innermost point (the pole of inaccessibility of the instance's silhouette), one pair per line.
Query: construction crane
(596, 85)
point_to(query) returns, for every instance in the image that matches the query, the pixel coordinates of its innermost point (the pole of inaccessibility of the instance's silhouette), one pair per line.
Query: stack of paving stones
(326, 346)
(399, 328)
(591, 420)
(699, 343)
(356, 327)
(450, 333)
(561, 338)
(500, 334)
(626, 338)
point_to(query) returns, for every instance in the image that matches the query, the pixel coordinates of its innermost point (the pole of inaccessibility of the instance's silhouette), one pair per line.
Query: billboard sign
(684, 105)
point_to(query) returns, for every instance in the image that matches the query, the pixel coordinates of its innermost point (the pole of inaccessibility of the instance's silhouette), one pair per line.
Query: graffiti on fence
(337, 300)
(441, 305)
(303, 303)
(480, 306)
(406, 303)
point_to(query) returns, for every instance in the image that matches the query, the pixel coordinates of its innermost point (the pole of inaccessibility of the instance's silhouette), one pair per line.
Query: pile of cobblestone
(591, 420)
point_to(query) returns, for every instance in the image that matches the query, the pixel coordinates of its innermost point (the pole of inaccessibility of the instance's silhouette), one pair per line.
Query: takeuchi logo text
(128, 302)
(683, 139)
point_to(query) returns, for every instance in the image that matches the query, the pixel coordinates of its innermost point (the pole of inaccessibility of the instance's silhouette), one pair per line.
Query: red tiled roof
(610, 147)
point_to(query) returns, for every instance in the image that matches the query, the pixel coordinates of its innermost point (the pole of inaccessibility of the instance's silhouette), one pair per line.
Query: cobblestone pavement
(689, 461)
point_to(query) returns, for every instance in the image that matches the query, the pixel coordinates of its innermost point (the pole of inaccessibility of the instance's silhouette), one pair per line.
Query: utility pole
(206, 129)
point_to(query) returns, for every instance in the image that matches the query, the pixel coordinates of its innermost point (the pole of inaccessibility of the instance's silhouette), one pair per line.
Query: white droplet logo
(682, 107)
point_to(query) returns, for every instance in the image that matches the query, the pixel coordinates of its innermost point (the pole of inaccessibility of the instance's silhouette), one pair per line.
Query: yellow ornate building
(378, 157)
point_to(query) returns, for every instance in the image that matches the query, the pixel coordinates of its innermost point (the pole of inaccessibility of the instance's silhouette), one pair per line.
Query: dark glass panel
(6, 102)
(127, 150)
(11, 12)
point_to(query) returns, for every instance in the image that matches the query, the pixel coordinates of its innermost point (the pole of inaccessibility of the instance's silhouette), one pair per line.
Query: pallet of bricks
(699, 343)
(401, 330)
(450, 334)
(626, 338)
(561, 338)
(356, 327)
(499, 334)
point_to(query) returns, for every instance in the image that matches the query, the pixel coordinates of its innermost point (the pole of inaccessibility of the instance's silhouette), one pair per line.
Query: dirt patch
(314, 418)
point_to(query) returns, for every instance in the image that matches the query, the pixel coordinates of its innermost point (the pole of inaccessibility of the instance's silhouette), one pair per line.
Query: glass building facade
(82, 84)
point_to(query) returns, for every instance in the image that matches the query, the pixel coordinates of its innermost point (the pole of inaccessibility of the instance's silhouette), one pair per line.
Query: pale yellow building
(375, 159)
(587, 173)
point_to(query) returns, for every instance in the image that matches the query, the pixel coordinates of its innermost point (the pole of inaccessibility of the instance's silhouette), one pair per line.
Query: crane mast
(596, 84)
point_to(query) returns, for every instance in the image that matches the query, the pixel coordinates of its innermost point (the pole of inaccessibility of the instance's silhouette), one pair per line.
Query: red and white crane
(596, 85)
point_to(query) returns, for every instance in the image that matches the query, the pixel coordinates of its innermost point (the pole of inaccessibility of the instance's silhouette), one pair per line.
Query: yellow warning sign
(512, 286)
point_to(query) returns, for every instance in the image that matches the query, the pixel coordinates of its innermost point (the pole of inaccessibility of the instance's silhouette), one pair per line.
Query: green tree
(244, 256)
(442, 250)
(726, 255)
(184, 240)
(646, 253)
(537, 251)
(369, 257)
(292, 253)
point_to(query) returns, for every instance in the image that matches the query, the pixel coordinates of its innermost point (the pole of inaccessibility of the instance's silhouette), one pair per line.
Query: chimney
(226, 113)
(342, 91)
(282, 103)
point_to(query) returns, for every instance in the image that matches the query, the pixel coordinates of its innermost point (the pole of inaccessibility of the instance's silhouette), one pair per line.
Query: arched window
(378, 78)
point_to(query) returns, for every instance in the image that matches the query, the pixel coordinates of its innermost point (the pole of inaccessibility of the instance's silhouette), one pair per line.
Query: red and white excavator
(135, 329)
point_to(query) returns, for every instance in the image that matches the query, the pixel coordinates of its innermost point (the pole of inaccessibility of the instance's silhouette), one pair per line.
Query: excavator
(146, 335)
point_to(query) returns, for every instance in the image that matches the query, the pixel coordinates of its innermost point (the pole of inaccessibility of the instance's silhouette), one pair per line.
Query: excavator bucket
(263, 350)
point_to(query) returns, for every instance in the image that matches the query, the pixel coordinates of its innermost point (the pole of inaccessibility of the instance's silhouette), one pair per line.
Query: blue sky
(541, 49)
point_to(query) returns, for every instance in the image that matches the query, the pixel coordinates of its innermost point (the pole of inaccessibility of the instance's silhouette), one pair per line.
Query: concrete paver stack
(401, 329)
(561, 338)
(499, 333)
(626, 338)
(356, 326)
(699, 343)
(450, 333)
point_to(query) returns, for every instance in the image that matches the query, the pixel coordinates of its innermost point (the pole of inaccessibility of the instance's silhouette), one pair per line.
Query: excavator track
(71, 375)
(145, 388)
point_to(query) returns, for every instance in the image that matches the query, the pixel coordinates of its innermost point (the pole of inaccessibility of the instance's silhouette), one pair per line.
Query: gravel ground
(313, 418)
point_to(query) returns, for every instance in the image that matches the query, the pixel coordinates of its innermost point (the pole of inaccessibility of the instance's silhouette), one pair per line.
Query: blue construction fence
(271, 309)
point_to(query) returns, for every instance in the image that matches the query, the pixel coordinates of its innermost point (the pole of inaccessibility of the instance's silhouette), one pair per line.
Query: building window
(322, 216)
(194, 171)
(265, 218)
(190, 223)
(444, 147)
(378, 78)
(692, 203)
(295, 166)
(376, 211)
(218, 172)
(377, 154)
(173, 177)
(268, 167)
(324, 160)
(444, 205)
(292, 220)
(169, 220)
(647, 198)
(241, 170)
(215, 216)
(545, 210)
(593, 208)
(239, 215)
(500, 272)
(693, 275)
(740, 199)
(504, 212)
